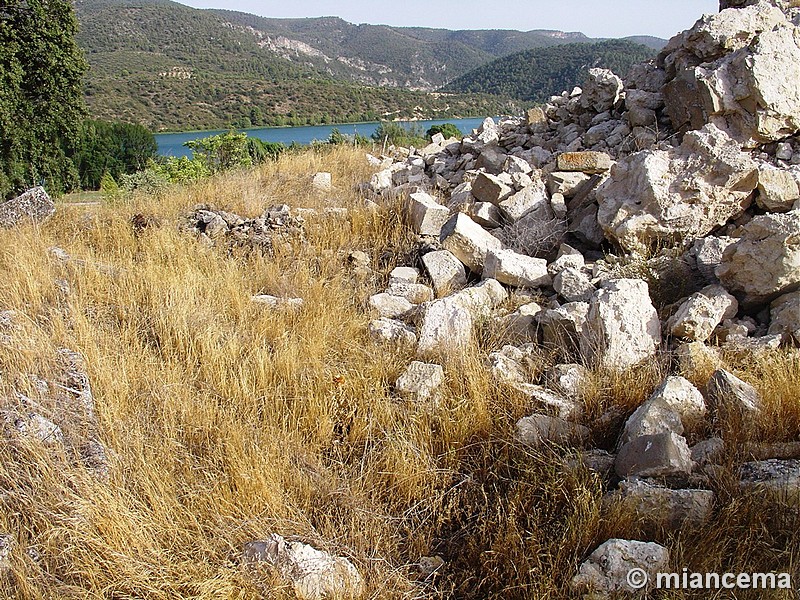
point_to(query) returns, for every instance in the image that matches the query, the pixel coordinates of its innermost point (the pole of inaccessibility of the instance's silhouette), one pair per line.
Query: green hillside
(535, 75)
(201, 72)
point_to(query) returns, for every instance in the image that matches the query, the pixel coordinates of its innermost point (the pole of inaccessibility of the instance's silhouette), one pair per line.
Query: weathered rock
(568, 257)
(390, 331)
(777, 189)
(553, 402)
(427, 216)
(322, 182)
(566, 183)
(521, 325)
(765, 262)
(779, 477)
(708, 452)
(570, 379)
(447, 323)
(607, 570)
(34, 206)
(700, 314)
(492, 159)
(785, 317)
(516, 269)
(651, 418)
(515, 164)
(598, 461)
(32, 426)
(420, 381)
(536, 119)
(678, 194)
(490, 188)
(468, 241)
(485, 214)
(601, 90)
(313, 574)
(725, 391)
(537, 429)
(657, 455)
(657, 507)
(415, 293)
(573, 285)
(681, 396)
(445, 270)
(747, 90)
(403, 275)
(564, 326)
(389, 306)
(531, 199)
(276, 302)
(622, 326)
(585, 162)
(708, 255)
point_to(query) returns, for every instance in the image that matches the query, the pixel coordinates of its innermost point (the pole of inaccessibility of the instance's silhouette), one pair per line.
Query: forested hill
(535, 75)
(169, 66)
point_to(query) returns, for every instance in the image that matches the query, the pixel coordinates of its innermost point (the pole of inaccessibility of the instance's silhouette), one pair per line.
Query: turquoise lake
(171, 144)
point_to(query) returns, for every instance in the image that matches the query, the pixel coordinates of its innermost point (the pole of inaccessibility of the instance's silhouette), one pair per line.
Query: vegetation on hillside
(200, 73)
(535, 75)
(226, 420)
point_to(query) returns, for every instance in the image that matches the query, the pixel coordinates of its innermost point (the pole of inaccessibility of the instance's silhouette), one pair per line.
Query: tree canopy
(41, 68)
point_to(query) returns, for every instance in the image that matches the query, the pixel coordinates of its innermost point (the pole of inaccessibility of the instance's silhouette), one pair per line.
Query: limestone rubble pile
(648, 214)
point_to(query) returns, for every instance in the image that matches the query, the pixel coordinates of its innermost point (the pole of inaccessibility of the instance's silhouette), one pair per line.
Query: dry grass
(227, 420)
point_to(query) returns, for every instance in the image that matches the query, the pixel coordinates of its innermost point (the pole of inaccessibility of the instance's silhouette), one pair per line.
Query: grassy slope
(228, 420)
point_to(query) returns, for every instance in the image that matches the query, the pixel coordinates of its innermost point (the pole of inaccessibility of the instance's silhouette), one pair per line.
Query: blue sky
(596, 18)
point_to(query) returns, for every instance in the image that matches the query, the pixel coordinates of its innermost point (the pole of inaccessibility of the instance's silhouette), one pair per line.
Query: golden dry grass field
(226, 420)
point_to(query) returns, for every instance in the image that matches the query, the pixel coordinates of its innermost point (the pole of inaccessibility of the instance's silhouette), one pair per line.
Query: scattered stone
(658, 455)
(678, 194)
(538, 429)
(727, 392)
(651, 418)
(777, 189)
(389, 306)
(573, 285)
(392, 332)
(446, 271)
(655, 507)
(430, 565)
(490, 188)
(521, 326)
(607, 569)
(420, 381)
(554, 402)
(585, 162)
(426, 214)
(403, 275)
(681, 396)
(33, 427)
(765, 262)
(785, 317)
(415, 293)
(313, 574)
(519, 270)
(700, 314)
(780, 477)
(598, 461)
(531, 199)
(322, 182)
(446, 327)
(34, 206)
(276, 302)
(570, 379)
(506, 366)
(622, 326)
(563, 327)
(708, 452)
(468, 241)
(708, 255)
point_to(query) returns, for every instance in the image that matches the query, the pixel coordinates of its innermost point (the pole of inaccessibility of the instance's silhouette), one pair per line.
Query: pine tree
(41, 106)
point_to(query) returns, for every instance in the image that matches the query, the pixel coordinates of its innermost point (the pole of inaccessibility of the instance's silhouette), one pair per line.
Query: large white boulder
(608, 569)
(426, 214)
(677, 194)
(765, 262)
(516, 269)
(700, 314)
(622, 327)
(447, 273)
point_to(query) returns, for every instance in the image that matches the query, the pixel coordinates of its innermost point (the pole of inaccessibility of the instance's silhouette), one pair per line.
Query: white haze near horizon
(595, 18)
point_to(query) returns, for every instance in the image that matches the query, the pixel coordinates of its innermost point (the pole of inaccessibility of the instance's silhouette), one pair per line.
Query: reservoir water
(171, 144)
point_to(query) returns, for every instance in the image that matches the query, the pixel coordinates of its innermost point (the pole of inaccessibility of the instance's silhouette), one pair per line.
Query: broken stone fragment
(519, 270)
(468, 241)
(728, 392)
(607, 570)
(420, 381)
(33, 206)
(313, 574)
(700, 314)
(585, 162)
(537, 429)
(658, 455)
(426, 214)
(445, 270)
(390, 331)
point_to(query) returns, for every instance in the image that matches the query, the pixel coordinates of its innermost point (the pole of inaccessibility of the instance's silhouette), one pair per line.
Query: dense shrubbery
(114, 149)
(448, 130)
